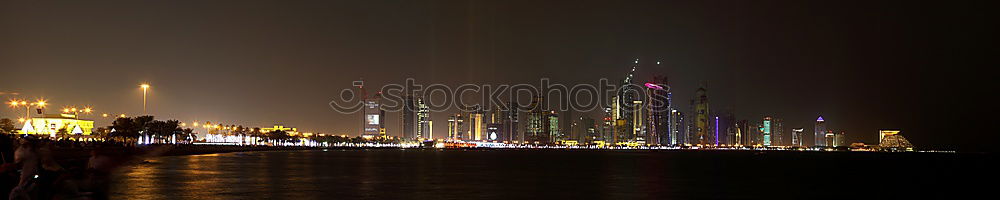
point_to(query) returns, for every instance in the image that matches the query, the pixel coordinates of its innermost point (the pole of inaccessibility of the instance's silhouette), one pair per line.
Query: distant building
(701, 121)
(408, 119)
(279, 127)
(840, 139)
(798, 137)
(374, 118)
(624, 107)
(552, 127)
(493, 132)
(510, 123)
(456, 126)
(829, 138)
(744, 134)
(891, 140)
(584, 130)
(778, 132)
(820, 132)
(766, 131)
(607, 126)
(477, 127)
(658, 111)
(535, 130)
(679, 128)
(58, 125)
(566, 126)
(424, 125)
(638, 133)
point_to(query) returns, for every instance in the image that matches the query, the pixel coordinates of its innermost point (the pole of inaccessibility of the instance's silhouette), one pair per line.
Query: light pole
(144, 87)
(27, 106)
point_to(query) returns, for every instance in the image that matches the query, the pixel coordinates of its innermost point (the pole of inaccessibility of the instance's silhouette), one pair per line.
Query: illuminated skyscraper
(408, 119)
(608, 125)
(658, 111)
(423, 120)
(552, 127)
(638, 133)
(495, 124)
(766, 131)
(840, 139)
(373, 121)
(680, 131)
(701, 121)
(798, 137)
(829, 138)
(456, 125)
(477, 127)
(510, 123)
(535, 130)
(820, 132)
(744, 134)
(625, 107)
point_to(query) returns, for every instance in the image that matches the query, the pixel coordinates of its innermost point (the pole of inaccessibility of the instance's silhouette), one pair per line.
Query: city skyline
(209, 70)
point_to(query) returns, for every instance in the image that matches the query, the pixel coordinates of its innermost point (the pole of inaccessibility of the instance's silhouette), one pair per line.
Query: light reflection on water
(505, 174)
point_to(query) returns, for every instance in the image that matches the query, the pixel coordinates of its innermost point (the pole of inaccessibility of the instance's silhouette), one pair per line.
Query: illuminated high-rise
(535, 130)
(798, 137)
(477, 127)
(510, 123)
(658, 111)
(679, 128)
(607, 125)
(495, 124)
(701, 118)
(456, 125)
(408, 119)
(373, 122)
(624, 107)
(828, 138)
(552, 127)
(840, 139)
(777, 132)
(638, 133)
(766, 130)
(744, 134)
(820, 132)
(423, 120)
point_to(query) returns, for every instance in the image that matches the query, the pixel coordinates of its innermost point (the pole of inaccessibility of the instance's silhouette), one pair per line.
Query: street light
(144, 87)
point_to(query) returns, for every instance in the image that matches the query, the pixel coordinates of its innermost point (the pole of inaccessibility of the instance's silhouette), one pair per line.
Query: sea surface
(555, 174)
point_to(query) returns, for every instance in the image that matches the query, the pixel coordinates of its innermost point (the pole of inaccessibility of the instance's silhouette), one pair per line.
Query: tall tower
(552, 127)
(408, 119)
(373, 118)
(534, 131)
(423, 120)
(767, 130)
(455, 127)
(477, 127)
(700, 104)
(679, 128)
(778, 132)
(658, 111)
(797, 137)
(624, 106)
(510, 123)
(820, 132)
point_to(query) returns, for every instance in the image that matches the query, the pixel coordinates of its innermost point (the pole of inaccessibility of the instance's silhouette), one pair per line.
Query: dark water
(553, 174)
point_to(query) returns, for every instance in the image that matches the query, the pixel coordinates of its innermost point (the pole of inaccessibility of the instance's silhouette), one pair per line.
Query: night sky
(863, 65)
